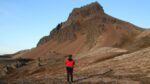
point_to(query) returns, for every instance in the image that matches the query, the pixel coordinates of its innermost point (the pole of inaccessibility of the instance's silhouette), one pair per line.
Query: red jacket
(69, 63)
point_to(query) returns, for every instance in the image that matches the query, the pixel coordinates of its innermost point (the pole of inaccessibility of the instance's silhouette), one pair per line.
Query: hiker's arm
(65, 62)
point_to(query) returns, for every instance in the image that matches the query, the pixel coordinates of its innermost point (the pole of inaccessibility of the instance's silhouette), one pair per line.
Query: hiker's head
(70, 56)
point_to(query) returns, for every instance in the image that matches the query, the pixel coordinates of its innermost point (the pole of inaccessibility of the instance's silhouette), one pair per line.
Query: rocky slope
(107, 51)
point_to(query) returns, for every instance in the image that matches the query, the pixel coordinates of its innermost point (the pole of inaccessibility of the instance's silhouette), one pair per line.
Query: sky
(24, 22)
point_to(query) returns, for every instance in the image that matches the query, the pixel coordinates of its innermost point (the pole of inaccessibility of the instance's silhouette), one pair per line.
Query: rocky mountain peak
(85, 11)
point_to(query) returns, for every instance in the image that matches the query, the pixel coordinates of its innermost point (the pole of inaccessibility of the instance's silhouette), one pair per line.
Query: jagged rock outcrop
(79, 14)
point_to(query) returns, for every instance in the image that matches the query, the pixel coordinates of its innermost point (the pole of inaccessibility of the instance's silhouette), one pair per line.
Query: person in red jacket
(69, 62)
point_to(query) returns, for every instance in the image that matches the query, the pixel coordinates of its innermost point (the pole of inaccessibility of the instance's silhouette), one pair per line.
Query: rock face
(86, 11)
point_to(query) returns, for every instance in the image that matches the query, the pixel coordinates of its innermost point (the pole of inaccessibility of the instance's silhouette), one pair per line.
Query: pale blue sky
(24, 22)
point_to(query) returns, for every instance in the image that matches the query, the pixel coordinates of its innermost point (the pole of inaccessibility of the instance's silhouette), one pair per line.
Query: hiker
(69, 62)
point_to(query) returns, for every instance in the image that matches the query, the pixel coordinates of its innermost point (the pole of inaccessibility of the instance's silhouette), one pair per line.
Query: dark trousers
(69, 74)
